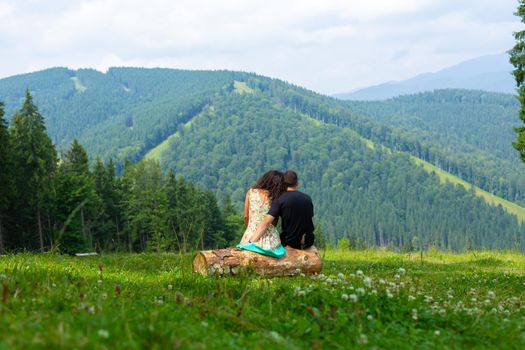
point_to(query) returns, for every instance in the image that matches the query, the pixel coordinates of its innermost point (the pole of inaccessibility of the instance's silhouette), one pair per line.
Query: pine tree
(233, 222)
(517, 58)
(76, 159)
(145, 206)
(78, 204)
(35, 162)
(6, 183)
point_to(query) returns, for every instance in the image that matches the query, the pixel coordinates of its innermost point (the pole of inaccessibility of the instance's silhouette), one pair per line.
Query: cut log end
(232, 261)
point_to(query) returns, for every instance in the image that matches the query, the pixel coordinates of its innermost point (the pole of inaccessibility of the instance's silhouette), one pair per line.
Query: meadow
(363, 299)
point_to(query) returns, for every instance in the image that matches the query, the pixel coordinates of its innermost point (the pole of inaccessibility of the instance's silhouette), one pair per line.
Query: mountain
(375, 177)
(489, 73)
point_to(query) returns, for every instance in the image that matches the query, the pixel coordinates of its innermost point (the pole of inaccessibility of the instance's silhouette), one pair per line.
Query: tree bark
(232, 261)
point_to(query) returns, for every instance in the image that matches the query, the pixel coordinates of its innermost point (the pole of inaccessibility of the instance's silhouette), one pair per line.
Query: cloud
(328, 46)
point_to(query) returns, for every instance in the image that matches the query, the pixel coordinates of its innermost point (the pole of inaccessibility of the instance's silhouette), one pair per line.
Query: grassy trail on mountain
(445, 177)
(490, 198)
(366, 299)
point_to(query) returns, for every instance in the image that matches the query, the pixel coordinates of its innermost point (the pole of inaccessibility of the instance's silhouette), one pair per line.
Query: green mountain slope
(474, 128)
(223, 129)
(371, 195)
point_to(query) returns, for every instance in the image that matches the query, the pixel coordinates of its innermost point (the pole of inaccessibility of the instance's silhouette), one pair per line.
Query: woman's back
(259, 204)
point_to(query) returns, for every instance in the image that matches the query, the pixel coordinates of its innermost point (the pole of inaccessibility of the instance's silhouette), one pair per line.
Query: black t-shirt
(296, 211)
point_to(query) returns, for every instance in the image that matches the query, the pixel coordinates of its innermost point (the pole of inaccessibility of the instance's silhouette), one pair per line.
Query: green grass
(156, 152)
(242, 88)
(127, 301)
(78, 85)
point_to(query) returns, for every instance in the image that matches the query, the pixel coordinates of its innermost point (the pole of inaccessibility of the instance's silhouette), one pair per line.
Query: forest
(212, 133)
(62, 203)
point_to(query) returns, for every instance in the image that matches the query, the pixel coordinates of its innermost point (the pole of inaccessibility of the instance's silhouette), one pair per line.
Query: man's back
(296, 211)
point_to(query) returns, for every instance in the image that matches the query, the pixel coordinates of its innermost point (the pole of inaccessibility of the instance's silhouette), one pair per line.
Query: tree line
(59, 202)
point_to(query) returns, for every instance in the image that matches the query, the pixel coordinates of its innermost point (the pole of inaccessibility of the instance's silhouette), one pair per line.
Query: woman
(258, 200)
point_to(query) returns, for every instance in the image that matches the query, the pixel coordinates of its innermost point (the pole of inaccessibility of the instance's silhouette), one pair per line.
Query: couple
(275, 196)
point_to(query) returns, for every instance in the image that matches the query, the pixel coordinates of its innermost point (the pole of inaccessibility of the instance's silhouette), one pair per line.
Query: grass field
(364, 299)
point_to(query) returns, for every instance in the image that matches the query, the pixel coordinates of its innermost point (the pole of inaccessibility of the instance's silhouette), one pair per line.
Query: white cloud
(328, 46)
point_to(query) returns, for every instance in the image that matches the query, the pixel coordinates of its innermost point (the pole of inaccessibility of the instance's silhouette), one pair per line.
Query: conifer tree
(233, 222)
(517, 58)
(77, 202)
(6, 183)
(35, 162)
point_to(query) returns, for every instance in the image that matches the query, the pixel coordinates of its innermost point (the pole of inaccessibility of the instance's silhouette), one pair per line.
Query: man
(296, 211)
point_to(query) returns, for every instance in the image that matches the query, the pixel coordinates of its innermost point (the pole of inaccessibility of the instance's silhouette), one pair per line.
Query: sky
(328, 46)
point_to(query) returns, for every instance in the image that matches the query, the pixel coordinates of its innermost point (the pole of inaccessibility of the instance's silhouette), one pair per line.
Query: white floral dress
(269, 243)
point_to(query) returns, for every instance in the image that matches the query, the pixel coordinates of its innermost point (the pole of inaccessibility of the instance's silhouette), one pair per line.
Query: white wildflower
(170, 287)
(359, 273)
(397, 277)
(360, 291)
(344, 296)
(491, 294)
(103, 333)
(353, 297)
(370, 317)
(367, 281)
(389, 295)
(411, 298)
(340, 276)
(401, 271)
(436, 332)
(414, 314)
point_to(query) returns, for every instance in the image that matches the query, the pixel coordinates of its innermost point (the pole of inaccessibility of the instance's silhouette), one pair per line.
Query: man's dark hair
(290, 178)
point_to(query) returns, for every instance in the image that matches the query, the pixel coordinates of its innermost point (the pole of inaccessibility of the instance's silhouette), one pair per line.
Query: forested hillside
(70, 206)
(223, 129)
(474, 129)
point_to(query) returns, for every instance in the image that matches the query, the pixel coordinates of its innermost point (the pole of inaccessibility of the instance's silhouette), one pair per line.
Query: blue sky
(328, 46)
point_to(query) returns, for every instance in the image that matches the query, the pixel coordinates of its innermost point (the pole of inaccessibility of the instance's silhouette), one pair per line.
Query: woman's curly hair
(271, 181)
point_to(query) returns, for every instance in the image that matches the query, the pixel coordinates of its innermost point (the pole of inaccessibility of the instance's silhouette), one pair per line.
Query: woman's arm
(263, 226)
(247, 209)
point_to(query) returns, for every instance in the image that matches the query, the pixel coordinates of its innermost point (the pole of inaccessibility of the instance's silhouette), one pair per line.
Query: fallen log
(233, 261)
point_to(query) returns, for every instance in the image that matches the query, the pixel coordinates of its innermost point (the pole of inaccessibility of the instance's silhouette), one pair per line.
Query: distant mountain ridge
(488, 73)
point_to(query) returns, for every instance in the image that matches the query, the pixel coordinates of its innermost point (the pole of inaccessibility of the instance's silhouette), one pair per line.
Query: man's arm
(261, 228)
